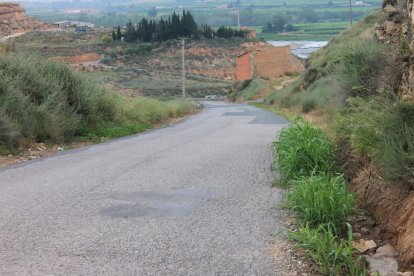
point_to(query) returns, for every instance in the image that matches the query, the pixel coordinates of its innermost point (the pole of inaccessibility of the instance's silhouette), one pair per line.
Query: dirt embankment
(392, 204)
(13, 20)
(214, 62)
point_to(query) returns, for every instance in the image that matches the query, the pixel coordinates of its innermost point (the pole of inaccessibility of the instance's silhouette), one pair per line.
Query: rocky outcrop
(13, 20)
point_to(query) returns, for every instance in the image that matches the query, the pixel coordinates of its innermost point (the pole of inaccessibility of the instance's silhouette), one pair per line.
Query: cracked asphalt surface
(194, 198)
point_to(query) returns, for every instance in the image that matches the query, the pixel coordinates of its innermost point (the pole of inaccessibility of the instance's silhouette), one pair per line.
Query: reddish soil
(13, 20)
(392, 205)
(81, 58)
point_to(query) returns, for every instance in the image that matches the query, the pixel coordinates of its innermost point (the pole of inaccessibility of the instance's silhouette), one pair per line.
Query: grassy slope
(344, 92)
(351, 87)
(43, 100)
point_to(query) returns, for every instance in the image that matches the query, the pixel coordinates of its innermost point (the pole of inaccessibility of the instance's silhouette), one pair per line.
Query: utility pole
(238, 18)
(350, 12)
(183, 66)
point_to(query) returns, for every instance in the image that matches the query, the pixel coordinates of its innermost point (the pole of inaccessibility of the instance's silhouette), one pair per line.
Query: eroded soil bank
(392, 205)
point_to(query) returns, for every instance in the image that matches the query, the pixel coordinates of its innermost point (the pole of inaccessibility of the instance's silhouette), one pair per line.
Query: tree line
(175, 26)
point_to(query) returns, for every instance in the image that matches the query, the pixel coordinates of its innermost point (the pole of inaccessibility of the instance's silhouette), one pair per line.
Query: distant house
(83, 24)
(81, 27)
(62, 24)
(269, 62)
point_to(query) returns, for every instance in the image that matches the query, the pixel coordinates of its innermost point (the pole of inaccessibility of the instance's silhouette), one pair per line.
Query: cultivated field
(315, 20)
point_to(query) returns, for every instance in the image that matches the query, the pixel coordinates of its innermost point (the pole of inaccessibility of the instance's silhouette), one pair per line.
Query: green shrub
(382, 130)
(360, 65)
(325, 93)
(112, 54)
(107, 39)
(361, 125)
(321, 199)
(395, 152)
(3, 48)
(285, 98)
(251, 89)
(303, 150)
(45, 100)
(333, 255)
(9, 135)
(144, 48)
(308, 104)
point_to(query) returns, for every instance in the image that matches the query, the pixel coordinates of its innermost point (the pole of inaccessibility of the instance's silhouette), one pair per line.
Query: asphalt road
(194, 198)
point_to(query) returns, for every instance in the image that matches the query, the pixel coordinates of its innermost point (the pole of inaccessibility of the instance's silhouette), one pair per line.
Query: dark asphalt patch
(156, 204)
(260, 116)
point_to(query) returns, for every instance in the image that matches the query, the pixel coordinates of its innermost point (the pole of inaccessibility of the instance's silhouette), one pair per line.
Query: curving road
(189, 199)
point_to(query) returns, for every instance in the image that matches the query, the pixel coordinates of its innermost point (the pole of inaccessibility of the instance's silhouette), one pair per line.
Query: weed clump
(321, 200)
(381, 130)
(333, 255)
(318, 196)
(303, 150)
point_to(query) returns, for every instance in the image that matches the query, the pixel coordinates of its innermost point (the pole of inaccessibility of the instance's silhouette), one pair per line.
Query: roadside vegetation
(352, 85)
(45, 101)
(318, 195)
(352, 91)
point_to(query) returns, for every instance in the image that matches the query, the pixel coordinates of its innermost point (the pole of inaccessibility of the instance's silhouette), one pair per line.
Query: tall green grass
(303, 150)
(318, 196)
(334, 256)
(321, 200)
(381, 130)
(44, 100)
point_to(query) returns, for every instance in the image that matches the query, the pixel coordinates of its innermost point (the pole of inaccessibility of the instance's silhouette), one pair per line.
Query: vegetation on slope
(44, 100)
(354, 90)
(355, 82)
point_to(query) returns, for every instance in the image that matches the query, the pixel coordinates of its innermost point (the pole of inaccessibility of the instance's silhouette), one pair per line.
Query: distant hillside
(13, 19)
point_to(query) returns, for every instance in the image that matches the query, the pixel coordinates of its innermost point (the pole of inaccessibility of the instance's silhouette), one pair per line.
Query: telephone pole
(238, 18)
(350, 12)
(183, 66)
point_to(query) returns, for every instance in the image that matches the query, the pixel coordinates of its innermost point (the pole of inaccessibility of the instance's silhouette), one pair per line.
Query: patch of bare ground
(32, 151)
(392, 204)
(13, 20)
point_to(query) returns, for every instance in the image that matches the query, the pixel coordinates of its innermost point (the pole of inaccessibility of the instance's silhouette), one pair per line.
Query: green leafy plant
(321, 200)
(303, 150)
(333, 255)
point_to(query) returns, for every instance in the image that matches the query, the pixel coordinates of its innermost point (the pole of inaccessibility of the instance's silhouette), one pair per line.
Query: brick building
(269, 62)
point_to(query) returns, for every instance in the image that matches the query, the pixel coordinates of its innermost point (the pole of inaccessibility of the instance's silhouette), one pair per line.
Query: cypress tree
(113, 35)
(118, 34)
